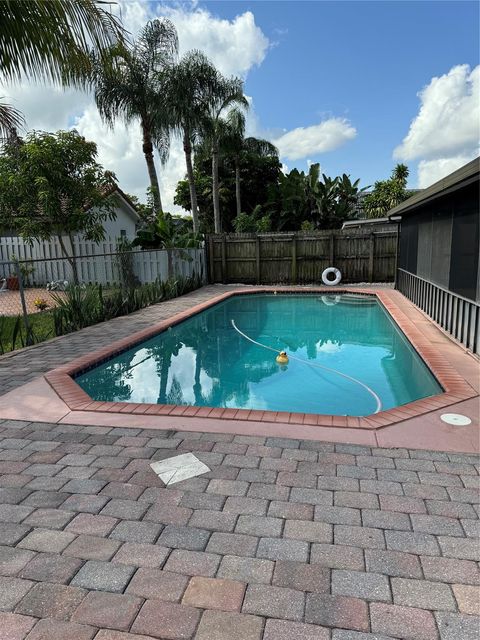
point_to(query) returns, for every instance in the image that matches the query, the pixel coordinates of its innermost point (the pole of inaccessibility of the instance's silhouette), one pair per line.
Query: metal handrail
(434, 284)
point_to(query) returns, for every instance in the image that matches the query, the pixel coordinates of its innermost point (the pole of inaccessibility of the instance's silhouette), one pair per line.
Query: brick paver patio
(282, 540)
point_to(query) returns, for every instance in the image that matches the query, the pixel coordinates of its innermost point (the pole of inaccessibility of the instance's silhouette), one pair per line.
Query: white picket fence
(97, 263)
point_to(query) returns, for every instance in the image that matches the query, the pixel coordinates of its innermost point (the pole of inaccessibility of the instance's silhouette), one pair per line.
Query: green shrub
(81, 306)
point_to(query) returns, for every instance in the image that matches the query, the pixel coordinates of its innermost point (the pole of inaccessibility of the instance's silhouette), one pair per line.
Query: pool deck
(297, 532)
(55, 397)
(283, 539)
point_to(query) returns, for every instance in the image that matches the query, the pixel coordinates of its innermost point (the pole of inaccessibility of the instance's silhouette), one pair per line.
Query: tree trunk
(237, 186)
(197, 387)
(187, 147)
(215, 190)
(165, 362)
(152, 172)
(71, 259)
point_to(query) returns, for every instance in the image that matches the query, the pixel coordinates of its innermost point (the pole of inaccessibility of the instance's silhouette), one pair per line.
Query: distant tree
(257, 173)
(387, 194)
(186, 92)
(256, 221)
(51, 40)
(309, 200)
(144, 209)
(52, 186)
(234, 145)
(128, 84)
(223, 95)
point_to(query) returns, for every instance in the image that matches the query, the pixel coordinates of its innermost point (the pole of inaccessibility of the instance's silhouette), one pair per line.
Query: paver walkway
(282, 540)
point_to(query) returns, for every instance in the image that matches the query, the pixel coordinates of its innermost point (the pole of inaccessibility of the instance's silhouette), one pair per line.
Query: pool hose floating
(378, 402)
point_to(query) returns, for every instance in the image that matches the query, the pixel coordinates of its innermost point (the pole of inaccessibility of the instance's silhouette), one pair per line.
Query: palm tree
(51, 40)
(223, 94)
(237, 146)
(400, 174)
(186, 90)
(128, 82)
(10, 120)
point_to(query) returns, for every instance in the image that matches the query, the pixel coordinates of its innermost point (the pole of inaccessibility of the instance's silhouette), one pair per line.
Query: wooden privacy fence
(301, 257)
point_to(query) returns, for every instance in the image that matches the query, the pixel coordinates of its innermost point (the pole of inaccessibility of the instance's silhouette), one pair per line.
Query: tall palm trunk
(152, 172)
(187, 147)
(237, 186)
(215, 190)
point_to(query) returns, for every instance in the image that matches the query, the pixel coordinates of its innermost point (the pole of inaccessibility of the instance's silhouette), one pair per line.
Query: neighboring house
(438, 258)
(369, 224)
(127, 219)
(125, 225)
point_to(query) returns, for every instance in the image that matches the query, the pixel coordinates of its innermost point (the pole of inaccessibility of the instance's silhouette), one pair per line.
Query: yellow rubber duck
(282, 358)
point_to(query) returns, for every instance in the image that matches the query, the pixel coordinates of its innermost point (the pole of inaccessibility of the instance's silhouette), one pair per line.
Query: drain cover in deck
(179, 468)
(455, 419)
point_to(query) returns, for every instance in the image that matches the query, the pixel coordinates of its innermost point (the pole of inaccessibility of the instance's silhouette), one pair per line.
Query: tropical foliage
(167, 232)
(273, 200)
(51, 40)
(312, 200)
(387, 194)
(82, 306)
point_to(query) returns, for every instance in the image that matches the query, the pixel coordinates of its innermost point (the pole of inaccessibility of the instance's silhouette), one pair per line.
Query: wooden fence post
(224, 259)
(211, 264)
(371, 258)
(332, 249)
(294, 259)
(257, 259)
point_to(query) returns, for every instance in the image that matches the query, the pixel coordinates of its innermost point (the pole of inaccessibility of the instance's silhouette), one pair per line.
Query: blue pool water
(208, 360)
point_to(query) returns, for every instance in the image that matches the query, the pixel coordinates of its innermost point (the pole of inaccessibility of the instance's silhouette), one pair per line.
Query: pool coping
(456, 388)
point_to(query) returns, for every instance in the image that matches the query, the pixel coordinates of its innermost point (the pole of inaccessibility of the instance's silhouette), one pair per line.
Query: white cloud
(304, 142)
(44, 107)
(430, 171)
(445, 133)
(234, 46)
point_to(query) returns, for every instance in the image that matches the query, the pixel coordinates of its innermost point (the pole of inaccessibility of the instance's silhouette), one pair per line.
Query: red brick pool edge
(456, 388)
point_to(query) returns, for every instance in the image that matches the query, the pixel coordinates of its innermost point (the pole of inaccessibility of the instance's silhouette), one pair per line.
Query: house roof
(115, 189)
(462, 177)
(362, 222)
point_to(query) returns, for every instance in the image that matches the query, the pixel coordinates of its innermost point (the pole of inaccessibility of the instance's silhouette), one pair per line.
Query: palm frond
(51, 39)
(157, 45)
(10, 120)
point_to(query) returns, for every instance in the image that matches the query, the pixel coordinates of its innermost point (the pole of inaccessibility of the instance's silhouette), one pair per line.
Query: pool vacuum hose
(378, 402)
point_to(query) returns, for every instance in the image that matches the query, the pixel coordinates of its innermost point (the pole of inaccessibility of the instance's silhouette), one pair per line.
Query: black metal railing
(459, 316)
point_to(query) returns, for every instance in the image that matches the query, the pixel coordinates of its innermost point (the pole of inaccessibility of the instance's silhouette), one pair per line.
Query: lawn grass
(40, 323)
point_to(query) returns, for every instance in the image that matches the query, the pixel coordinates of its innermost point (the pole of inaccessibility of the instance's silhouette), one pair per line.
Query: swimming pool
(346, 357)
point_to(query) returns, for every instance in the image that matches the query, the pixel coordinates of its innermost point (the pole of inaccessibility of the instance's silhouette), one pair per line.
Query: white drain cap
(455, 419)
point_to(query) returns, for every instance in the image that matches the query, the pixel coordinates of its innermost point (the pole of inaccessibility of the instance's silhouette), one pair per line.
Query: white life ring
(336, 272)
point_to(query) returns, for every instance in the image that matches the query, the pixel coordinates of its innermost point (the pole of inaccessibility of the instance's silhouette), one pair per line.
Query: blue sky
(365, 61)
(356, 86)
